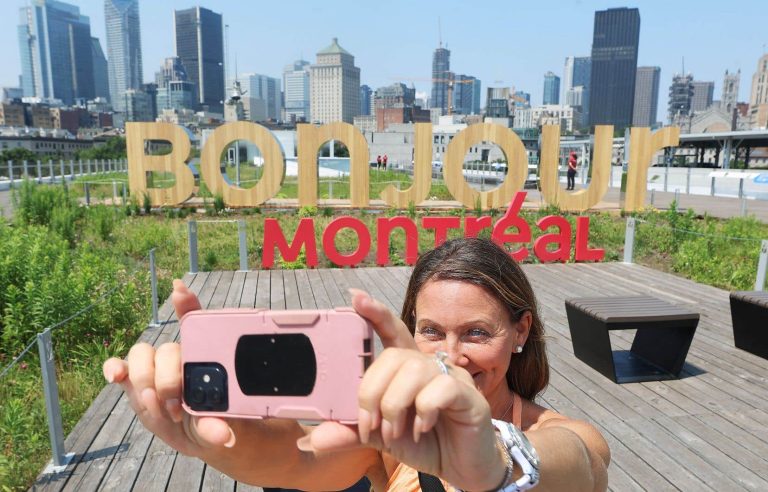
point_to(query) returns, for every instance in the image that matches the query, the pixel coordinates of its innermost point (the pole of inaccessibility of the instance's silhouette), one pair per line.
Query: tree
(113, 148)
(18, 154)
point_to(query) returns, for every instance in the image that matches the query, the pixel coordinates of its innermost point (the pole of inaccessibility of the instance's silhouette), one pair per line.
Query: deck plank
(705, 430)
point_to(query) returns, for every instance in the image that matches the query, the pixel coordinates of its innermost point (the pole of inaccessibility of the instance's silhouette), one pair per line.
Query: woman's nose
(455, 351)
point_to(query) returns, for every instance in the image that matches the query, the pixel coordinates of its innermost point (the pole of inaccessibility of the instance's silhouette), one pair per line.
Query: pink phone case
(255, 363)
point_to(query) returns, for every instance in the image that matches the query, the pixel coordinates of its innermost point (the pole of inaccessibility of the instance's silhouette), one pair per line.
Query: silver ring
(440, 357)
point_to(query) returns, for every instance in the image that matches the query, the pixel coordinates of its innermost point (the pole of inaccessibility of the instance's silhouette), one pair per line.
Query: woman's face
(473, 328)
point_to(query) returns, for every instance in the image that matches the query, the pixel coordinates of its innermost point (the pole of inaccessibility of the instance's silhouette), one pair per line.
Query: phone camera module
(205, 387)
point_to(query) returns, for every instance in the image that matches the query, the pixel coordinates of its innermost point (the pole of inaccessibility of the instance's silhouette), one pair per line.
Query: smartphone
(255, 363)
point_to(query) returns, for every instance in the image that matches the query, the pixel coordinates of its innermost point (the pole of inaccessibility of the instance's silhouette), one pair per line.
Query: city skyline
(710, 47)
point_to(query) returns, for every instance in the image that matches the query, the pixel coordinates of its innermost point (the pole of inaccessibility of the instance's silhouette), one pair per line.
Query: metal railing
(44, 342)
(192, 228)
(762, 263)
(57, 171)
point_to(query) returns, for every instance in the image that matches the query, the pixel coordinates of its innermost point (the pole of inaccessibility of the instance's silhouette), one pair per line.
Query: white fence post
(762, 266)
(629, 240)
(52, 407)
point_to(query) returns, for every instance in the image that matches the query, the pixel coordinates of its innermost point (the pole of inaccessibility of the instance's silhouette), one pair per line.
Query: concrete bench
(749, 313)
(661, 343)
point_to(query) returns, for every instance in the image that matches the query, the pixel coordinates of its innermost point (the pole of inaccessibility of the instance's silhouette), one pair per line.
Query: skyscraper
(730, 96)
(614, 67)
(551, 89)
(55, 49)
(441, 74)
(334, 83)
(702, 95)
(123, 49)
(466, 95)
(680, 94)
(646, 96)
(365, 100)
(100, 70)
(200, 45)
(296, 90)
(261, 97)
(576, 90)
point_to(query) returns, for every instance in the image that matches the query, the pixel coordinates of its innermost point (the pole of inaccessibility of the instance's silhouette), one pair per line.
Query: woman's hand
(151, 378)
(434, 422)
(152, 381)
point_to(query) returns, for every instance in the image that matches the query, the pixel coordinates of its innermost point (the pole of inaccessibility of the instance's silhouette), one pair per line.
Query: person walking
(384, 160)
(378, 162)
(572, 163)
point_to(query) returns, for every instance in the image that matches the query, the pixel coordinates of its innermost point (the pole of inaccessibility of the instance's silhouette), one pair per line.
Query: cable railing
(762, 263)
(44, 342)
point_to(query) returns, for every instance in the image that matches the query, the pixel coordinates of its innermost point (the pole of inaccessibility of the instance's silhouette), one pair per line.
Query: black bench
(661, 343)
(749, 313)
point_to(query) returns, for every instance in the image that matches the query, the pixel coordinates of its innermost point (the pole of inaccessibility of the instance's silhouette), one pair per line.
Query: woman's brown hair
(483, 263)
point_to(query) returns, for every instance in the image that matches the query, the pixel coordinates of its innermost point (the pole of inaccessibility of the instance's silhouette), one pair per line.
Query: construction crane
(450, 83)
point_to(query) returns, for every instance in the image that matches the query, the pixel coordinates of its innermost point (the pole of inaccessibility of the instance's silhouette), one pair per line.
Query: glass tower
(123, 49)
(614, 67)
(551, 88)
(55, 50)
(441, 74)
(200, 45)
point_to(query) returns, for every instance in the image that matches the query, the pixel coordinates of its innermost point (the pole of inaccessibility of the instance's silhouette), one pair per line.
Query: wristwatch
(519, 449)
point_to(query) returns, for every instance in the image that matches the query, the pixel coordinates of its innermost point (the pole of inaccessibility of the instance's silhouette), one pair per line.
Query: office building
(138, 105)
(702, 95)
(261, 97)
(100, 70)
(334, 82)
(365, 100)
(551, 88)
(123, 48)
(758, 100)
(55, 49)
(296, 92)
(394, 104)
(576, 86)
(466, 95)
(614, 67)
(680, 95)
(730, 96)
(521, 99)
(174, 90)
(441, 75)
(200, 45)
(497, 102)
(646, 96)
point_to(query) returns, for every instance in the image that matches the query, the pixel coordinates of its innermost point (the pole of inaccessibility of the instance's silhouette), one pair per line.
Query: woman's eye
(429, 332)
(477, 332)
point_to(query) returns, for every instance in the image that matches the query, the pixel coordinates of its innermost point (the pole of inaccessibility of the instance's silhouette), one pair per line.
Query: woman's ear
(523, 327)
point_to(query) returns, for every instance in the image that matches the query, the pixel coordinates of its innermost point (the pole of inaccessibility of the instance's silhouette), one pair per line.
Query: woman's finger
(398, 398)
(388, 326)
(168, 378)
(183, 299)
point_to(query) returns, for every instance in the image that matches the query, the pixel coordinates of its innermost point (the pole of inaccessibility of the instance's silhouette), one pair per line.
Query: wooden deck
(704, 431)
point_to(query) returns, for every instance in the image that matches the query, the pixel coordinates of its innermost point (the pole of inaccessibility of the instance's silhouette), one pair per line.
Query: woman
(572, 164)
(469, 346)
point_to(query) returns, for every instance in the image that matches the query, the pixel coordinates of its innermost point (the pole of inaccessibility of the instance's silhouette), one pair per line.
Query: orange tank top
(406, 479)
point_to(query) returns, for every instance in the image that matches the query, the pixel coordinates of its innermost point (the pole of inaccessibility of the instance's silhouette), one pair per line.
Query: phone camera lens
(198, 394)
(214, 395)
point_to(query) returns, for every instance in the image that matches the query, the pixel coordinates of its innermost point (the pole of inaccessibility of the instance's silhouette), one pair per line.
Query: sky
(503, 43)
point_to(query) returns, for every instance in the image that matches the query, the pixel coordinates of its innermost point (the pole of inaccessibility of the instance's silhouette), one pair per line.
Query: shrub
(218, 203)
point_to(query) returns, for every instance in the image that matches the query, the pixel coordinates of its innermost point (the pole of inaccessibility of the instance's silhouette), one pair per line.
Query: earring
(519, 349)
